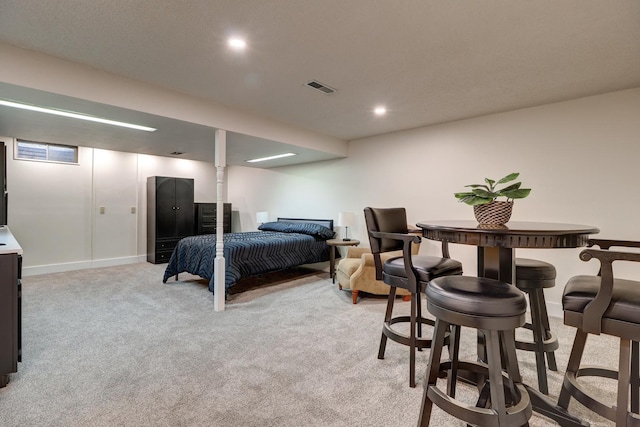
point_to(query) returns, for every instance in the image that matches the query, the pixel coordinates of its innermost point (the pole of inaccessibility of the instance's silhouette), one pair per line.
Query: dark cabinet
(169, 215)
(205, 218)
(10, 316)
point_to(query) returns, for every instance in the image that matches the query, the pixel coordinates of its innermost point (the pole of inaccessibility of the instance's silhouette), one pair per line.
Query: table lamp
(345, 219)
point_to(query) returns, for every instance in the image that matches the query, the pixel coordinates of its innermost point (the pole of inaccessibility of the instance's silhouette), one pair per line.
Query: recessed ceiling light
(380, 111)
(73, 115)
(237, 43)
(277, 156)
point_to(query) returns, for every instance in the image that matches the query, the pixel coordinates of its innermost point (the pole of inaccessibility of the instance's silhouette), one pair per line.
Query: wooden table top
(342, 242)
(514, 234)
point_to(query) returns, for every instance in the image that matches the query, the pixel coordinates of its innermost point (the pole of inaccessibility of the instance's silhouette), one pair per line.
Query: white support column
(219, 270)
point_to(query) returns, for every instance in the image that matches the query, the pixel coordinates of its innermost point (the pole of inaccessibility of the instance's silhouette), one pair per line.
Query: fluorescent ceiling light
(278, 156)
(73, 115)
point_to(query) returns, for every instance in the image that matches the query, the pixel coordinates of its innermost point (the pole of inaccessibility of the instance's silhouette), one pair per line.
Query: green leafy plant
(481, 194)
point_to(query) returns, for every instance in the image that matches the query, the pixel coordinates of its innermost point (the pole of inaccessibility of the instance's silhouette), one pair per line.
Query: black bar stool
(532, 277)
(496, 309)
(388, 231)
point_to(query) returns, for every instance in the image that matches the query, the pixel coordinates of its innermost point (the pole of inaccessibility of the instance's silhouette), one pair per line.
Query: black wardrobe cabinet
(169, 215)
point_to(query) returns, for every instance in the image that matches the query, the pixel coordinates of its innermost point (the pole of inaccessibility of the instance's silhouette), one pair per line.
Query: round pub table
(496, 258)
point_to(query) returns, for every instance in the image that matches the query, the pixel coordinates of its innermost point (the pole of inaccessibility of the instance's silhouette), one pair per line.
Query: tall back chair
(388, 231)
(604, 304)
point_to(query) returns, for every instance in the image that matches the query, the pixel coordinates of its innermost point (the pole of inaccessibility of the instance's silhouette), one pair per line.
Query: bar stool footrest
(403, 338)
(580, 393)
(517, 415)
(548, 345)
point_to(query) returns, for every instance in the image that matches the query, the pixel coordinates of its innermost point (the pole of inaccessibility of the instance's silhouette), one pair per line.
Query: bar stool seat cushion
(625, 301)
(477, 296)
(427, 267)
(535, 274)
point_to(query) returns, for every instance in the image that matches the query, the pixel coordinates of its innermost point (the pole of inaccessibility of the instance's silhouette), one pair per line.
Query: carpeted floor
(116, 347)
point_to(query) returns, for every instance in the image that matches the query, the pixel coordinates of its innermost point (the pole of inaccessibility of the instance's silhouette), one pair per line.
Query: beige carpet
(116, 347)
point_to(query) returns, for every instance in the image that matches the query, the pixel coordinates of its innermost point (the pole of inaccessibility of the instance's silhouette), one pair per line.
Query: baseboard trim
(554, 309)
(82, 265)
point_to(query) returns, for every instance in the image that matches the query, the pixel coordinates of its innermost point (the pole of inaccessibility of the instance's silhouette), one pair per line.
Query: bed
(285, 243)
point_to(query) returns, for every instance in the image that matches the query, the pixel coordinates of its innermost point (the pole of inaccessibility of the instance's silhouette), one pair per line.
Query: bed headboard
(324, 222)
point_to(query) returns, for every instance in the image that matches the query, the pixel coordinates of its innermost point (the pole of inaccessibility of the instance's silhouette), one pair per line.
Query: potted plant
(484, 199)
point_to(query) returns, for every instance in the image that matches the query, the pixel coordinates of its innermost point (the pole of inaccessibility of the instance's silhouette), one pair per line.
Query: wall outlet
(102, 209)
(133, 209)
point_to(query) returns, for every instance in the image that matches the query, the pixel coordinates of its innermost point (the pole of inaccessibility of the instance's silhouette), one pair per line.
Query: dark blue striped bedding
(246, 254)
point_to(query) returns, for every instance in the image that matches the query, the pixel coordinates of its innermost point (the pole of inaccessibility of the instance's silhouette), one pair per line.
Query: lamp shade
(345, 219)
(262, 217)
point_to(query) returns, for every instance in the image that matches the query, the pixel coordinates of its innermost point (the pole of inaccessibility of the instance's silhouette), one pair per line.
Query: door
(184, 207)
(165, 207)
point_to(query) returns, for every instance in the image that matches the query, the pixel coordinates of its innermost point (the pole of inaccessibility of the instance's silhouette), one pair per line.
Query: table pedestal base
(542, 405)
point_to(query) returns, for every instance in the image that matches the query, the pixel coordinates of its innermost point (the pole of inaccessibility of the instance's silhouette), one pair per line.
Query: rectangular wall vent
(314, 84)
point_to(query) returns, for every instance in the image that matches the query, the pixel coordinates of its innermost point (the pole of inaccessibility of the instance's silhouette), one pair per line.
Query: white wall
(579, 157)
(50, 208)
(54, 208)
(115, 177)
(305, 191)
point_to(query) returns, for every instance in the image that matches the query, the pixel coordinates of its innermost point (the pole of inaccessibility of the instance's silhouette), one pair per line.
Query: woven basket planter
(497, 213)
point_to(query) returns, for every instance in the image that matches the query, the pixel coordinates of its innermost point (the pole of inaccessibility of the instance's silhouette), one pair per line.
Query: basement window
(45, 152)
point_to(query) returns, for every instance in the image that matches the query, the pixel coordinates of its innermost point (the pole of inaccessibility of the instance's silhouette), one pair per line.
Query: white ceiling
(429, 62)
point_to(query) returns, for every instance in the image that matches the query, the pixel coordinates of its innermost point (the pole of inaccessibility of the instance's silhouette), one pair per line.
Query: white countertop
(8, 243)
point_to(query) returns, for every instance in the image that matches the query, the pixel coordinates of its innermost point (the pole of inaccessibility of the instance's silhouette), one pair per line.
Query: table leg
(332, 263)
(496, 263)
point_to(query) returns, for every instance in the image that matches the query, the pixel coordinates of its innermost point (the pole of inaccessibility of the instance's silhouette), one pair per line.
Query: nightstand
(334, 243)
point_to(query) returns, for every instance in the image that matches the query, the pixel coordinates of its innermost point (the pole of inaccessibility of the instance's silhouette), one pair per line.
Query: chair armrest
(355, 252)
(606, 244)
(607, 256)
(407, 240)
(594, 311)
(368, 258)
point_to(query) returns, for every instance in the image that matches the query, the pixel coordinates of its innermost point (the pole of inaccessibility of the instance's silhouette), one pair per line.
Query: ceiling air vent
(314, 84)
